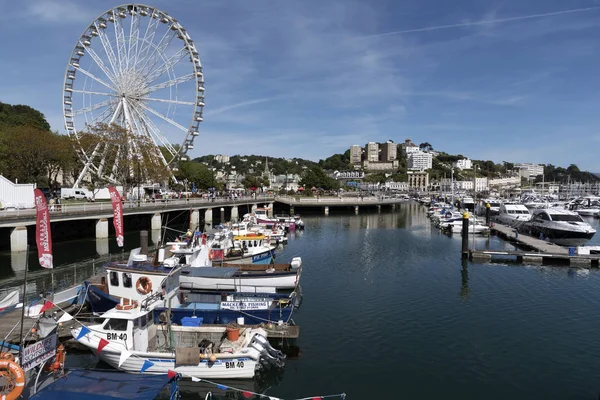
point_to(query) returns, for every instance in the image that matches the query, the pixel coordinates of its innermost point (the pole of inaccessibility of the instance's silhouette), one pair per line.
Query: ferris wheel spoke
(156, 134)
(134, 37)
(96, 93)
(164, 117)
(92, 76)
(116, 113)
(108, 50)
(171, 82)
(102, 117)
(93, 107)
(159, 51)
(168, 64)
(185, 103)
(148, 39)
(120, 43)
(100, 64)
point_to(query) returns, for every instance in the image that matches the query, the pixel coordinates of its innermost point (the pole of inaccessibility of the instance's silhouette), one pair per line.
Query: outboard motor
(265, 343)
(270, 356)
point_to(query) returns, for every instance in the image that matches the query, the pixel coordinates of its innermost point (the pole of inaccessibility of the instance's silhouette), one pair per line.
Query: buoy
(213, 358)
(143, 285)
(15, 377)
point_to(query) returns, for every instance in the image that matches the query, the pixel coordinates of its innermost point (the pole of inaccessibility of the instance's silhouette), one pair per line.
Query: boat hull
(224, 316)
(278, 280)
(222, 368)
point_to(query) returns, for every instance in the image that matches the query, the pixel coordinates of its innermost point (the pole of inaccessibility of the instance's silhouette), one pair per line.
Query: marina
(149, 254)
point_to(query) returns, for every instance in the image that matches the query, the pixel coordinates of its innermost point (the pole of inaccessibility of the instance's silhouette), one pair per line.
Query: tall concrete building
(355, 154)
(388, 151)
(420, 161)
(372, 152)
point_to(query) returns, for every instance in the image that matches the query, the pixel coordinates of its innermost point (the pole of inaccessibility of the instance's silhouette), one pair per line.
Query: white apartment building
(504, 183)
(355, 154)
(372, 152)
(529, 170)
(222, 158)
(465, 163)
(399, 186)
(419, 161)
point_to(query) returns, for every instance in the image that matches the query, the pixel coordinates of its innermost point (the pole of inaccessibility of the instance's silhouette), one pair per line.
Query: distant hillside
(256, 164)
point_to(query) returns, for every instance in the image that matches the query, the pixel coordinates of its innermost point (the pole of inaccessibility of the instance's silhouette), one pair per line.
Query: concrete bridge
(17, 221)
(297, 202)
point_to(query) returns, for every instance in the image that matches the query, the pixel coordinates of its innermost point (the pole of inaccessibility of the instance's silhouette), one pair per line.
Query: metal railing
(131, 206)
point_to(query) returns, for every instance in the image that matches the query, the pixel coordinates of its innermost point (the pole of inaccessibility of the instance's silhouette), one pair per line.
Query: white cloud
(60, 11)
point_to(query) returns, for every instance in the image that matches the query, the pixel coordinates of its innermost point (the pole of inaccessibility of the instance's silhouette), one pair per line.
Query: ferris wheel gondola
(137, 67)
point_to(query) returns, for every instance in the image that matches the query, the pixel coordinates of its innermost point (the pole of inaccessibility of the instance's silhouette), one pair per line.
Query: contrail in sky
(484, 22)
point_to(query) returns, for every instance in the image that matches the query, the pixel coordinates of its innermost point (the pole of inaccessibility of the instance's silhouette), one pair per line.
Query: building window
(114, 278)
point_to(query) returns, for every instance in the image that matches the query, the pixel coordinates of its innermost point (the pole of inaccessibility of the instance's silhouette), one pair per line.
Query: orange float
(14, 377)
(143, 285)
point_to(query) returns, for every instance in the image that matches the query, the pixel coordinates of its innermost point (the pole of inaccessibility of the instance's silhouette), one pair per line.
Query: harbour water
(390, 311)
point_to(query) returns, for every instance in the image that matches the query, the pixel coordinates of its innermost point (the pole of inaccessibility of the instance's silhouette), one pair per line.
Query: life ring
(211, 254)
(7, 356)
(143, 285)
(15, 379)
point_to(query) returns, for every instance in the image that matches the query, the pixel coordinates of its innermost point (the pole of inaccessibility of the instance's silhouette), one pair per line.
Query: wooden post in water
(487, 214)
(144, 242)
(465, 235)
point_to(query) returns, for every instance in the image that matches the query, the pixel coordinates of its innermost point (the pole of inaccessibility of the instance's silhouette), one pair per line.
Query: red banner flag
(117, 204)
(43, 235)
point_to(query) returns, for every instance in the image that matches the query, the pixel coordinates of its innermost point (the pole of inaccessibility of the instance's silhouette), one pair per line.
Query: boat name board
(39, 352)
(245, 305)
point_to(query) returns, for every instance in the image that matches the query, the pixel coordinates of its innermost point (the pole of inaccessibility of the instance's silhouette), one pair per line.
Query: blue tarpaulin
(103, 385)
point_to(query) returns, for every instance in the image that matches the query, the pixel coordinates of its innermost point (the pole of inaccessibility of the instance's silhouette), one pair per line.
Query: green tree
(132, 159)
(197, 173)
(316, 177)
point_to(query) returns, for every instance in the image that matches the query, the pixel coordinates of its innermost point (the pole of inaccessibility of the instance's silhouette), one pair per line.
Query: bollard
(487, 214)
(465, 235)
(222, 215)
(144, 242)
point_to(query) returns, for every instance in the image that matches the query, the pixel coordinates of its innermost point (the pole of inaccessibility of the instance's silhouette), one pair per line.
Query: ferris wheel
(137, 67)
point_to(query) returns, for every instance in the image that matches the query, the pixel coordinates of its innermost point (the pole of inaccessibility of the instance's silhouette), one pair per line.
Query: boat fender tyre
(15, 378)
(143, 285)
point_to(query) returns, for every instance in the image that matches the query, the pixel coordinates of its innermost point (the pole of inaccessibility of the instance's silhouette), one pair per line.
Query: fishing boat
(251, 291)
(207, 352)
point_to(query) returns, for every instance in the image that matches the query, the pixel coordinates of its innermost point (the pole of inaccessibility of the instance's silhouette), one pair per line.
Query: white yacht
(559, 226)
(513, 213)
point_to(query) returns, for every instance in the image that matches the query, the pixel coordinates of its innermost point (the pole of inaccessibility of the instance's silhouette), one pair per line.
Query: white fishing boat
(129, 340)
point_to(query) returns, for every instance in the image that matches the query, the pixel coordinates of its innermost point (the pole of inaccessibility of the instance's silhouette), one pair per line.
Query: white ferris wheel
(135, 66)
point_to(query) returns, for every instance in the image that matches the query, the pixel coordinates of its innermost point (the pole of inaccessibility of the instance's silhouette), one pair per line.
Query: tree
(27, 152)
(127, 158)
(316, 177)
(425, 146)
(196, 173)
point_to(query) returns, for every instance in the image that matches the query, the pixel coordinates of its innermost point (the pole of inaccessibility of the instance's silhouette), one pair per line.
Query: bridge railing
(158, 204)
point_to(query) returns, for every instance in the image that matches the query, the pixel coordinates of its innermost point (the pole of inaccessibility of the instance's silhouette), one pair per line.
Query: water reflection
(464, 278)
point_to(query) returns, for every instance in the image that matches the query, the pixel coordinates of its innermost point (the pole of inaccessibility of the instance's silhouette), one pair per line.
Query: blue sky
(310, 78)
